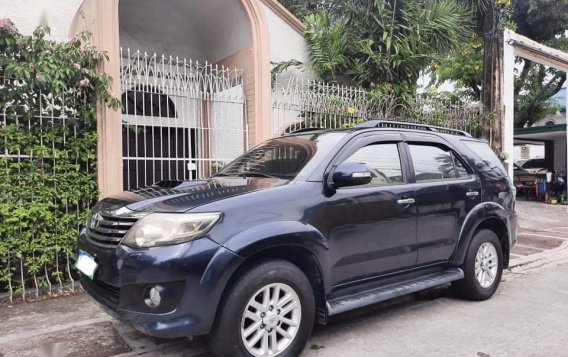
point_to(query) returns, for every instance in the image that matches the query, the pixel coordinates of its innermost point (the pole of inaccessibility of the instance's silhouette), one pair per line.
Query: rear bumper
(191, 276)
(513, 229)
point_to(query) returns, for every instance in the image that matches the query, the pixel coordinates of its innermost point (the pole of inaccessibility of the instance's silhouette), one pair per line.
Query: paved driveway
(527, 317)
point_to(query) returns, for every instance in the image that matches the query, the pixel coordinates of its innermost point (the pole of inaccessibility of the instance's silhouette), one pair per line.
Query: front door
(372, 228)
(446, 191)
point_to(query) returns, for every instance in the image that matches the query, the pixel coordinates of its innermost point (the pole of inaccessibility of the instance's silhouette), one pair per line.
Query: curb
(540, 259)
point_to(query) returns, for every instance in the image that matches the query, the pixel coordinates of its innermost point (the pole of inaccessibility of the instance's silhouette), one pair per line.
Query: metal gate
(181, 119)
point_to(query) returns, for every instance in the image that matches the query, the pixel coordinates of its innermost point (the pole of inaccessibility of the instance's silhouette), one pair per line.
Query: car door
(372, 228)
(446, 191)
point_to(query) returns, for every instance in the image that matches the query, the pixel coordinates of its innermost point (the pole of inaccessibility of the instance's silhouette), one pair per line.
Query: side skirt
(380, 293)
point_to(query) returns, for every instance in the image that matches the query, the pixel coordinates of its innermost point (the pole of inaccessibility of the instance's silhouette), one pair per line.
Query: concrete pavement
(527, 317)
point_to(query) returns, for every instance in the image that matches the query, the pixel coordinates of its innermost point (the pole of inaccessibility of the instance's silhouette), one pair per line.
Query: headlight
(159, 229)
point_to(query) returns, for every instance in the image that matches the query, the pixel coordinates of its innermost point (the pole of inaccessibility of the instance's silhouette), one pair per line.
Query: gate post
(100, 18)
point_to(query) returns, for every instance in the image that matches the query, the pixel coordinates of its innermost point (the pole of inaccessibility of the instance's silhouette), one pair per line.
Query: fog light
(153, 296)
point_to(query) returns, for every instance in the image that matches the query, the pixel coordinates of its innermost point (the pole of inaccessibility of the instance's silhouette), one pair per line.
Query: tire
(484, 285)
(246, 294)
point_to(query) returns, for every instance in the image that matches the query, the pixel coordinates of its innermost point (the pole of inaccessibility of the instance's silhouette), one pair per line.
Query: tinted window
(487, 156)
(384, 162)
(461, 171)
(434, 163)
(534, 164)
(286, 158)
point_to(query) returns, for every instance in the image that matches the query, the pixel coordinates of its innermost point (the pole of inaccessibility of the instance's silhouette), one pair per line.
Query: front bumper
(192, 277)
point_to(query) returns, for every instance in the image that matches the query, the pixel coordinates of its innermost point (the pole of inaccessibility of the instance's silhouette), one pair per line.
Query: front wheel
(268, 311)
(482, 267)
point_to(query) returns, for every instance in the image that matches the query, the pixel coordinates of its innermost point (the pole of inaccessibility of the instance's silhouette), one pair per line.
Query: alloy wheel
(486, 261)
(271, 320)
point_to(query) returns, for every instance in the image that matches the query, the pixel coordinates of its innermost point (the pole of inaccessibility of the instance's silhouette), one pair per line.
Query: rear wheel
(482, 267)
(269, 311)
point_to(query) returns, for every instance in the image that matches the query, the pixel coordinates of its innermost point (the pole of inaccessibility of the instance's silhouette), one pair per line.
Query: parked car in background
(520, 177)
(300, 229)
(535, 166)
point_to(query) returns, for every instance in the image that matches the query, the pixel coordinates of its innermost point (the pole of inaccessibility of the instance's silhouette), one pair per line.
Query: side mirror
(351, 174)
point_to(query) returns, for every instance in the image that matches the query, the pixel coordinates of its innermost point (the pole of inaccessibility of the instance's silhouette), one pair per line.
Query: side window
(435, 163)
(384, 162)
(461, 171)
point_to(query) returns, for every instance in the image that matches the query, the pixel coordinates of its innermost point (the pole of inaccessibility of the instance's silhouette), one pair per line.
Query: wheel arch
(485, 216)
(296, 242)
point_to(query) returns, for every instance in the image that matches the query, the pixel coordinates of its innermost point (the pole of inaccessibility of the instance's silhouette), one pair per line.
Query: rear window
(432, 163)
(486, 155)
(534, 164)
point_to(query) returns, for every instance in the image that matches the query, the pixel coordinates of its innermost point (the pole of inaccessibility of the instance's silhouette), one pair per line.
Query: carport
(516, 45)
(553, 137)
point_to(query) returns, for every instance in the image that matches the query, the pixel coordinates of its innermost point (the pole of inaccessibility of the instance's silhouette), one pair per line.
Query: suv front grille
(109, 231)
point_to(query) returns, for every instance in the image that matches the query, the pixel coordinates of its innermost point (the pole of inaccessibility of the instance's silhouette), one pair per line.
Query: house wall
(286, 40)
(560, 156)
(180, 28)
(29, 14)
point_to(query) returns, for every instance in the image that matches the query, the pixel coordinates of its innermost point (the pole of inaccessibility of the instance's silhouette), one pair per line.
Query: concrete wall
(560, 156)
(210, 32)
(533, 151)
(29, 14)
(286, 43)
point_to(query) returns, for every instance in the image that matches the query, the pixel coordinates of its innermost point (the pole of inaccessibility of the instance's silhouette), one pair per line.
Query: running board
(373, 296)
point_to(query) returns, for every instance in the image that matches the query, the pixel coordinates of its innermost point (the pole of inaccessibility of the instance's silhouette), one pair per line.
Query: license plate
(86, 264)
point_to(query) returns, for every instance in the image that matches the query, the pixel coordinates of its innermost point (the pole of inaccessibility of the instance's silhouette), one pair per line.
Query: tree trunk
(492, 80)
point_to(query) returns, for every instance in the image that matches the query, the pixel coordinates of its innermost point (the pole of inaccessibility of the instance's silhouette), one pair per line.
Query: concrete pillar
(100, 18)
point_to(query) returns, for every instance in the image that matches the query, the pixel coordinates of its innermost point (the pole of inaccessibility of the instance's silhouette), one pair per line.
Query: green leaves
(384, 43)
(49, 93)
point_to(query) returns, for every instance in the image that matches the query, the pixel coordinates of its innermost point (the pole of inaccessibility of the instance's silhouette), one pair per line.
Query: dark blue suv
(299, 229)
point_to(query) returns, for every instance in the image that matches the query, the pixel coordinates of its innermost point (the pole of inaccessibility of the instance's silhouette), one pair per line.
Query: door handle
(406, 201)
(472, 194)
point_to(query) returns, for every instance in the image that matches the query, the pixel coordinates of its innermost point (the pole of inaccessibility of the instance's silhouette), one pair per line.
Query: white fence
(181, 119)
(298, 104)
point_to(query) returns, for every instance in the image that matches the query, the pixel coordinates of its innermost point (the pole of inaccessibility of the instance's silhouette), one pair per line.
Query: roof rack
(411, 126)
(304, 130)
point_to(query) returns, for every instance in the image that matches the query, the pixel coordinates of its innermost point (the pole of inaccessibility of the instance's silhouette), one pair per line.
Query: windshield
(285, 158)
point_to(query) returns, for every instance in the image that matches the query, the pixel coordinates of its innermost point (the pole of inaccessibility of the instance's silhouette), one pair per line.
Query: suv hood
(181, 196)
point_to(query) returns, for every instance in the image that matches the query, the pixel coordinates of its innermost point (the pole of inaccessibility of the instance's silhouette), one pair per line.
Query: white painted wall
(201, 30)
(286, 44)
(29, 14)
(534, 151)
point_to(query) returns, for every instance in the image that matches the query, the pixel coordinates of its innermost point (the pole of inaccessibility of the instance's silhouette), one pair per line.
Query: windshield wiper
(257, 174)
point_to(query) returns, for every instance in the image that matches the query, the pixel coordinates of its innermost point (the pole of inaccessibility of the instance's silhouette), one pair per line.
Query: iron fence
(298, 103)
(182, 119)
(47, 183)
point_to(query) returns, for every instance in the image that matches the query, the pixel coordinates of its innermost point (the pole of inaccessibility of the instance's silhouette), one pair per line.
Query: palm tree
(384, 44)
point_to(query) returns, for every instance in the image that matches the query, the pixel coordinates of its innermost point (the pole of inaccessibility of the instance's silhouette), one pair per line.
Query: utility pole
(492, 78)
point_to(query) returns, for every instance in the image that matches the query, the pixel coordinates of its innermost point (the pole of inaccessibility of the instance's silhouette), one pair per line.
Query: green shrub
(49, 93)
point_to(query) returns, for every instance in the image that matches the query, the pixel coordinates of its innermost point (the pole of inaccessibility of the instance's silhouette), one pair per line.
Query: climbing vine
(49, 94)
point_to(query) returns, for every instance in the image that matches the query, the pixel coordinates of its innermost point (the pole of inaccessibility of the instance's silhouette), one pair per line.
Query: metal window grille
(182, 119)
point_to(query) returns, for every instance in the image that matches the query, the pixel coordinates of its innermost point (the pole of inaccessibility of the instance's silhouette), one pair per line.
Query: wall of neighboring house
(29, 14)
(560, 157)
